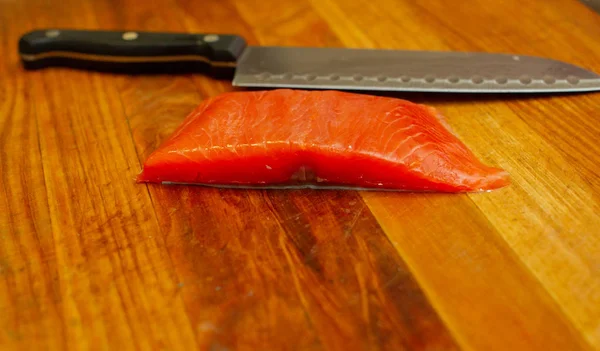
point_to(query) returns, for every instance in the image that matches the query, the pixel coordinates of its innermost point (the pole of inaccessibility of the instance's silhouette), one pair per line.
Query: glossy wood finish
(91, 260)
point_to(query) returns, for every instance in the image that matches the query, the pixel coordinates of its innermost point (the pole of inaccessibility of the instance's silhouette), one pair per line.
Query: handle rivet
(52, 33)
(130, 36)
(211, 38)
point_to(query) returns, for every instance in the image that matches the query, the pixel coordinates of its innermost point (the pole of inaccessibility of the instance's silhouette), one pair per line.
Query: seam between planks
(559, 311)
(294, 274)
(553, 300)
(522, 263)
(425, 288)
(461, 342)
(443, 322)
(562, 312)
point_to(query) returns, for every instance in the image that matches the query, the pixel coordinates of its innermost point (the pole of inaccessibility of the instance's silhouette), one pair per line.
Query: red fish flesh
(295, 138)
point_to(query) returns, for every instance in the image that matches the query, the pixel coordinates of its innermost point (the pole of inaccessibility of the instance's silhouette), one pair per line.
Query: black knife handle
(129, 51)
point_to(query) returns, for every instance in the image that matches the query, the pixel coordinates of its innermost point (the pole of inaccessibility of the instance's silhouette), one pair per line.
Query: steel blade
(420, 71)
(593, 4)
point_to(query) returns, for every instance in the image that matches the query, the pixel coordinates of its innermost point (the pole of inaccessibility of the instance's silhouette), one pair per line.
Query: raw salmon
(295, 138)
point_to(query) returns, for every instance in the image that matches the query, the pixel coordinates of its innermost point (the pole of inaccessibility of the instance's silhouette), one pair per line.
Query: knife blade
(226, 55)
(592, 4)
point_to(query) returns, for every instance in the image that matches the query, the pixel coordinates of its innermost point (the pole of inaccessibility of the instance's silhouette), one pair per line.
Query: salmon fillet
(295, 138)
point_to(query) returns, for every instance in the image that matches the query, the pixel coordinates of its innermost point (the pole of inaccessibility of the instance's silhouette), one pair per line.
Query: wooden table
(91, 260)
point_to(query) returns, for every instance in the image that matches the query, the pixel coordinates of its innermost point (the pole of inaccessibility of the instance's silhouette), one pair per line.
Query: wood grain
(285, 247)
(473, 256)
(549, 162)
(91, 260)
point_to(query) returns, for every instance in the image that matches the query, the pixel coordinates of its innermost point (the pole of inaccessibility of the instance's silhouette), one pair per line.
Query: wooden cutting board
(91, 260)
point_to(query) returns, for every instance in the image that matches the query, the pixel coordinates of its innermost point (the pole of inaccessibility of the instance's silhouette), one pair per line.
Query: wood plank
(29, 291)
(385, 302)
(489, 125)
(556, 178)
(218, 17)
(89, 259)
(472, 277)
(542, 211)
(110, 271)
(295, 25)
(114, 270)
(573, 134)
(264, 262)
(248, 264)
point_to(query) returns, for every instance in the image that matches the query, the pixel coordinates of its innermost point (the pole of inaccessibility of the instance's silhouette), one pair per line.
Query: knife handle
(129, 51)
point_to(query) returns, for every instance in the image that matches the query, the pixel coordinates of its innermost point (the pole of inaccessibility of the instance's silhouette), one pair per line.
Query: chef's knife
(304, 67)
